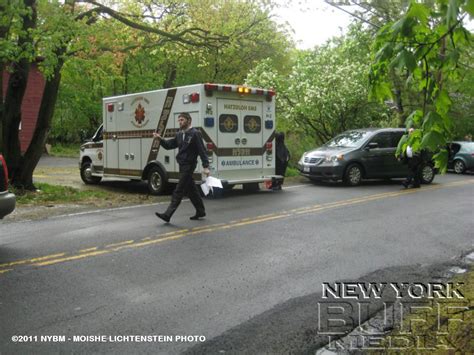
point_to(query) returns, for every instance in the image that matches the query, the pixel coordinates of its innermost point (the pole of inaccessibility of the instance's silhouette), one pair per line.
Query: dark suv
(359, 154)
(7, 199)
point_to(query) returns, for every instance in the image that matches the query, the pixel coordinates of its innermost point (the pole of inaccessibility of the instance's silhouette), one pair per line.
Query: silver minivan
(359, 154)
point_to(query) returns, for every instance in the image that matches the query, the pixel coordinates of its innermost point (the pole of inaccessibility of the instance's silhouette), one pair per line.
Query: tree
(58, 31)
(119, 60)
(326, 90)
(425, 45)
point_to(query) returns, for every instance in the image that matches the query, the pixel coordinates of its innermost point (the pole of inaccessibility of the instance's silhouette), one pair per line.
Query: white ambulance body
(237, 124)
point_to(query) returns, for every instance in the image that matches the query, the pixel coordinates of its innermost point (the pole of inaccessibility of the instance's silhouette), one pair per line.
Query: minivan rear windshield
(349, 139)
(469, 146)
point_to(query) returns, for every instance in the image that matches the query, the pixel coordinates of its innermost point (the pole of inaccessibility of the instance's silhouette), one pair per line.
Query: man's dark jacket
(190, 146)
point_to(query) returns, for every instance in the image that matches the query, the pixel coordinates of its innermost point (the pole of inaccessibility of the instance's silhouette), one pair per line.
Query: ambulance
(237, 124)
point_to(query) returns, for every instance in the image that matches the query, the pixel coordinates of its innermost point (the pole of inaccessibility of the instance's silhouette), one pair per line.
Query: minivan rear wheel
(353, 175)
(427, 174)
(459, 166)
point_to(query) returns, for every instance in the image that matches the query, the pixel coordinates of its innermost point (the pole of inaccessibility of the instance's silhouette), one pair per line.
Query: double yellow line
(166, 237)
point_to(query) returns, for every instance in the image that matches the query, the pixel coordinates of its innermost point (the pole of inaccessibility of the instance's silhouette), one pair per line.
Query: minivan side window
(382, 139)
(396, 136)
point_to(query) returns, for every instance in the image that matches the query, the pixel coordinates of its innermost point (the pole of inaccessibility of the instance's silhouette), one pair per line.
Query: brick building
(30, 105)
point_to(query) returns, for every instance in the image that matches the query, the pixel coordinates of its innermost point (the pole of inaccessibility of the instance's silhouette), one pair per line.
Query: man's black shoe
(406, 184)
(163, 216)
(197, 216)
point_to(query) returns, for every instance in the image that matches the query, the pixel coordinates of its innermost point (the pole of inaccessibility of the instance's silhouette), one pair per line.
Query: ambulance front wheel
(86, 174)
(156, 181)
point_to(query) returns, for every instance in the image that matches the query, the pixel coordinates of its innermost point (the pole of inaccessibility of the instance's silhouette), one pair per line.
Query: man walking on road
(189, 142)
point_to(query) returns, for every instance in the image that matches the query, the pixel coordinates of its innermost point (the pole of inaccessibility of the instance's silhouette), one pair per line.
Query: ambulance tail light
(210, 146)
(110, 107)
(269, 146)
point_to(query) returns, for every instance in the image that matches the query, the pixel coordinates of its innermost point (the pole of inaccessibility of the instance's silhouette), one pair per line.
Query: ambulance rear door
(239, 135)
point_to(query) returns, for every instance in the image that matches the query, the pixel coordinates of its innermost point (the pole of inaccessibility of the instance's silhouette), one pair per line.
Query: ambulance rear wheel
(156, 181)
(86, 174)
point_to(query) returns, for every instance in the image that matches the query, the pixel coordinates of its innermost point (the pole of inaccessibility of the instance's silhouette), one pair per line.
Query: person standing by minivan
(414, 163)
(282, 158)
(188, 140)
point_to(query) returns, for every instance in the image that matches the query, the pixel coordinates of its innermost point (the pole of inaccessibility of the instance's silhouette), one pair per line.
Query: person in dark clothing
(415, 165)
(189, 142)
(282, 158)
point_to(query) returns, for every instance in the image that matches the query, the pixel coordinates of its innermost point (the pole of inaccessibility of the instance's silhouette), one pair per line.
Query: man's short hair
(185, 115)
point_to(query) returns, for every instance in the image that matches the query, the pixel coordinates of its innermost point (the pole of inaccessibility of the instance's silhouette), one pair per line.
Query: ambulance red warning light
(191, 98)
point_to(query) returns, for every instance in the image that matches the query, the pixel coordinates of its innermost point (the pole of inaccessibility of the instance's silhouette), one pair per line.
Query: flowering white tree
(326, 90)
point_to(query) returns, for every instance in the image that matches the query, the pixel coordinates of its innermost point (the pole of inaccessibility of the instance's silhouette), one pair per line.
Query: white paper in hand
(205, 188)
(213, 182)
(208, 184)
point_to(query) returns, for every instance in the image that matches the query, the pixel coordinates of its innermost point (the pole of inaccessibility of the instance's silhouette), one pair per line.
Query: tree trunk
(4, 36)
(12, 115)
(14, 95)
(171, 77)
(32, 156)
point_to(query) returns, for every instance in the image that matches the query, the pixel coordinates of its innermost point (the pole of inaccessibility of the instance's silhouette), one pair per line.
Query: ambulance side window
(252, 124)
(228, 123)
(98, 136)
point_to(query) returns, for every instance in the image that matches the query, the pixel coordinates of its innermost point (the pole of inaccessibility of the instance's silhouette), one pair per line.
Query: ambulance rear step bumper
(249, 181)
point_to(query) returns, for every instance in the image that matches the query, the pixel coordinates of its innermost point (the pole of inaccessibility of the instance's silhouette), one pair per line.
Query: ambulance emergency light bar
(238, 89)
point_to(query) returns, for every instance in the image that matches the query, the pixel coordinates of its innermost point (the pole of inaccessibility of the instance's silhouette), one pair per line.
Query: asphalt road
(245, 278)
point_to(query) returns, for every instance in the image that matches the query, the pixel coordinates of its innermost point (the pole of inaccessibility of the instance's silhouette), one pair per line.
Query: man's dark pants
(186, 186)
(414, 171)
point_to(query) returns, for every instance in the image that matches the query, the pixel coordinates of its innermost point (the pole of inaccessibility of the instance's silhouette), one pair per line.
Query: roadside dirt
(64, 171)
(121, 193)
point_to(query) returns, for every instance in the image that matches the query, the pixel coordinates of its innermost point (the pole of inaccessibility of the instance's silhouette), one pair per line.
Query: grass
(290, 171)
(447, 333)
(48, 194)
(65, 150)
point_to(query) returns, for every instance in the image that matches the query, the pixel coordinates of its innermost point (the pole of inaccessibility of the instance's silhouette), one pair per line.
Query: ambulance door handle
(244, 141)
(132, 156)
(126, 156)
(237, 141)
